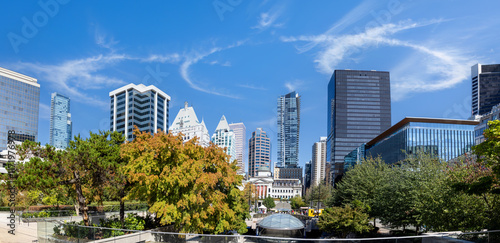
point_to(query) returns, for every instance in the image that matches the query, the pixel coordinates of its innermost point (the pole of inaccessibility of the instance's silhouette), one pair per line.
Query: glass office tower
(141, 106)
(359, 109)
(485, 88)
(60, 121)
(444, 138)
(19, 100)
(288, 130)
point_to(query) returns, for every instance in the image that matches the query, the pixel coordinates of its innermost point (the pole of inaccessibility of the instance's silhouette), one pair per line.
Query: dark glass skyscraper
(288, 130)
(485, 88)
(19, 100)
(359, 109)
(60, 121)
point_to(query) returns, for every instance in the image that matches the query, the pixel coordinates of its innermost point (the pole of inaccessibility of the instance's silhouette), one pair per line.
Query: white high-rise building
(188, 124)
(138, 105)
(239, 130)
(318, 162)
(224, 137)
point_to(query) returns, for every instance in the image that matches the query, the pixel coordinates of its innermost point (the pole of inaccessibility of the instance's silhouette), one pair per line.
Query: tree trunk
(81, 200)
(374, 222)
(122, 207)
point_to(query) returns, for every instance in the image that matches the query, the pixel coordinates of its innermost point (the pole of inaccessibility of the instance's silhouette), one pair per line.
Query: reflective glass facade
(259, 152)
(288, 130)
(444, 138)
(141, 106)
(60, 121)
(359, 109)
(485, 88)
(19, 101)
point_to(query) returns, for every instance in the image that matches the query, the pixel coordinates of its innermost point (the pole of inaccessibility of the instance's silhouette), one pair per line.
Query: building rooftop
(281, 222)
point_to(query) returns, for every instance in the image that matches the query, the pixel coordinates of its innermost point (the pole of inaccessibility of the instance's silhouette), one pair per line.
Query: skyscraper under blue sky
(288, 130)
(19, 97)
(141, 106)
(60, 121)
(359, 109)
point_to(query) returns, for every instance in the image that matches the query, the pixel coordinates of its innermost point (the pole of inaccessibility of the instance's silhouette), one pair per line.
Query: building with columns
(138, 105)
(187, 123)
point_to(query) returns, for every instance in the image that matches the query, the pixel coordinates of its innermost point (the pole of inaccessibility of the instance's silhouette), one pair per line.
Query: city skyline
(221, 61)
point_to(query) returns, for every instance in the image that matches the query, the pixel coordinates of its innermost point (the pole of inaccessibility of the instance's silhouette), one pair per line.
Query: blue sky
(235, 57)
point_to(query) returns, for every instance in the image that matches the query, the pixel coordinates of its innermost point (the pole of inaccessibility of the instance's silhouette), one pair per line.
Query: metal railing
(57, 231)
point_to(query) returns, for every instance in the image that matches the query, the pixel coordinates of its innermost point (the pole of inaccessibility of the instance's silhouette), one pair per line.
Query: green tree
(488, 154)
(319, 194)
(84, 169)
(344, 220)
(297, 202)
(362, 183)
(192, 187)
(269, 202)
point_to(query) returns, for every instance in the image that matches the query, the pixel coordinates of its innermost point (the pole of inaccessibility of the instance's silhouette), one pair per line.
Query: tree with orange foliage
(186, 185)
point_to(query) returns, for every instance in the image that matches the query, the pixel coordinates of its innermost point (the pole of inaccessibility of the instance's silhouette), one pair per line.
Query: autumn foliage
(186, 185)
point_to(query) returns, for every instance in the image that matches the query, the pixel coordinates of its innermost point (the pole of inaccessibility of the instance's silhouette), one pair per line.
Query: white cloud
(444, 67)
(102, 40)
(195, 57)
(249, 86)
(294, 85)
(268, 19)
(73, 77)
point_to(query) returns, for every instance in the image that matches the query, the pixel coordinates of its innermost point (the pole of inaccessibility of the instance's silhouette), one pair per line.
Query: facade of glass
(224, 138)
(259, 152)
(288, 130)
(354, 157)
(444, 138)
(239, 130)
(485, 88)
(60, 121)
(19, 101)
(359, 109)
(141, 106)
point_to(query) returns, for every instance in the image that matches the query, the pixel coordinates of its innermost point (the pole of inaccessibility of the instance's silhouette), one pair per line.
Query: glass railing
(57, 231)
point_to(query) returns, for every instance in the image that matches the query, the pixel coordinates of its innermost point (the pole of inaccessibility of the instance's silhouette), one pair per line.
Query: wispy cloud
(268, 19)
(294, 85)
(446, 66)
(102, 40)
(195, 57)
(73, 77)
(249, 86)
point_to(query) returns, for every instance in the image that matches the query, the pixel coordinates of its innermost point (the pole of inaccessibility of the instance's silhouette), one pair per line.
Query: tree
(319, 194)
(269, 202)
(250, 194)
(488, 154)
(84, 169)
(344, 220)
(297, 202)
(192, 187)
(361, 183)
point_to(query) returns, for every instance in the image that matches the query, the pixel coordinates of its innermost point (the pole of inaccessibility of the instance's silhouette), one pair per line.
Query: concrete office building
(141, 106)
(259, 152)
(240, 130)
(318, 162)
